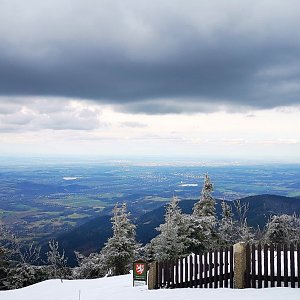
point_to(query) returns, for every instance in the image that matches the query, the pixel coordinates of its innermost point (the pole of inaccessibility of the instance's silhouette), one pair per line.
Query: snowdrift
(120, 287)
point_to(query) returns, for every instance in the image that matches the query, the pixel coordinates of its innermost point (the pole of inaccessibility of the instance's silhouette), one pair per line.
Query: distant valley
(42, 201)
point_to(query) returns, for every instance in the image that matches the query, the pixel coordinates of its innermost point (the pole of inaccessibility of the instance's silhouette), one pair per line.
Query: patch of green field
(74, 201)
(60, 223)
(24, 207)
(51, 213)
(77, 216)
(109, 195)
(294, 194)
(6, 213)
(56, 222)
(280, 189)
(156, 199)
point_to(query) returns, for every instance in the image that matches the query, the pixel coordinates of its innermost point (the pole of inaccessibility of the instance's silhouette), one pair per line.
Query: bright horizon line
(131, 159)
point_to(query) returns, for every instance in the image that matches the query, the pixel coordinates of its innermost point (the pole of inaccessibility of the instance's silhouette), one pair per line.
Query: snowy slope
(120, 288)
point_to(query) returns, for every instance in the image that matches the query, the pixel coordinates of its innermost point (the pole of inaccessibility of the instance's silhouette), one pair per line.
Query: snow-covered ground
(120, 288)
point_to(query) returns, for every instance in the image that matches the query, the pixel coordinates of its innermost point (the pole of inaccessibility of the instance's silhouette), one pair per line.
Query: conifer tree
(204, 219)
(120, 250)
(282, 229)
(227, 226)
(172, 241)
(205, 207)
(89, 266)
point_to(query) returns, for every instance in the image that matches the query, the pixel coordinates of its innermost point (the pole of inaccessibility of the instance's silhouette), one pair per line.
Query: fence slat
(259, 267)
(215, 265)
(266, 265)
(201, 271)
(278, 265)
(292, 265)
(164, 274)
(177, 273)
(172, 274)
(226, 277)
(205, 269)
(285, 267)
(186, 278)
(221, 268)
(196, 270)
(253, 266)
(167, 273)
(210, 268)
(231, 266)
(191, 271)
(181, 272)
(272, 264)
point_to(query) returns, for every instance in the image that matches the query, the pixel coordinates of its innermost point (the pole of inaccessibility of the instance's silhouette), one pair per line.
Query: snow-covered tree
(57, 261)
(10, 245)
(282, 229)
(120, 250)
(25, 274)
(172, 241)
(89, 266)
(204, 219)
(244, 231)
(16, 261)
(3, 267)
(16, 251)
(4, 255)
(227, 226)
(22, 271)
(206, 206)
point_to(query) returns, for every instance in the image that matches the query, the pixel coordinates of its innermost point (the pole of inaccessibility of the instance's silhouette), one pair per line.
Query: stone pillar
(152, 278)
(239, 254)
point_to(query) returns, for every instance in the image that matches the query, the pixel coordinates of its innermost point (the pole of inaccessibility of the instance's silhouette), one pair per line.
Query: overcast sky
(189, 78)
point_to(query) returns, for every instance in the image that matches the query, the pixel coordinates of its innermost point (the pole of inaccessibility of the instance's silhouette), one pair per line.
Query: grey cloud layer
(153, 56)
(32, 114)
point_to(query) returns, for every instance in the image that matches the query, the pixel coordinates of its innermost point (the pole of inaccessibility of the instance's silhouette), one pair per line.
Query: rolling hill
(91, 236)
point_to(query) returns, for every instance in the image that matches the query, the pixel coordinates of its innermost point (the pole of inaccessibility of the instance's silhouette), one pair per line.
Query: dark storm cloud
(153, 56)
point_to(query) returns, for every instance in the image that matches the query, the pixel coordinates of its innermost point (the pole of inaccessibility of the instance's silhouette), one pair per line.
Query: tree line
(179, 235)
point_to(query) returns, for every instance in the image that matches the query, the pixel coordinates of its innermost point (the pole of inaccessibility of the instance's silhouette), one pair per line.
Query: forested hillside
(92, 235)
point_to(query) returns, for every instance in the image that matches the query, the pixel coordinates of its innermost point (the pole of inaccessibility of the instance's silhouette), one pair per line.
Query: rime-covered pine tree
(89, 266)
(205, 207)
(227, 226)
(120, 250)
(172, 241)
(204, 219)
(282, 229)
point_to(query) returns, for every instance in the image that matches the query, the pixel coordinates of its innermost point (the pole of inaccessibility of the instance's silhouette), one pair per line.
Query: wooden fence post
(239, 253)
(152, 278)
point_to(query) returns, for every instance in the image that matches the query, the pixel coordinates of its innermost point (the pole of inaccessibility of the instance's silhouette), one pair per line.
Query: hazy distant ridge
(92, 235)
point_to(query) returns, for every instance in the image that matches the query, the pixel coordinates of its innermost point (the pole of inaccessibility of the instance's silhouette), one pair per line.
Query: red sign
(139, 269)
